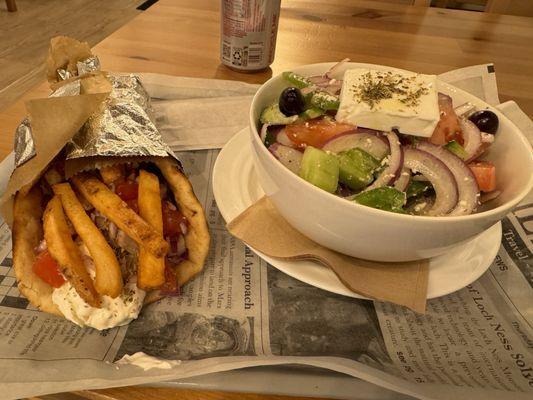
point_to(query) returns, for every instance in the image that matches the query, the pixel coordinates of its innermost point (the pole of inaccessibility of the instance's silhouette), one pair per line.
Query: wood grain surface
(25, 35)
(182, 38)
(147, 393)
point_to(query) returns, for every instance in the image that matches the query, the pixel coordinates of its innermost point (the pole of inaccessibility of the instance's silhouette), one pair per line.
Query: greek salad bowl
(456, 207)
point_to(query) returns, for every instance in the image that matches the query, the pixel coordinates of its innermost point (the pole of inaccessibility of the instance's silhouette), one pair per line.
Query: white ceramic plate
(235, 188)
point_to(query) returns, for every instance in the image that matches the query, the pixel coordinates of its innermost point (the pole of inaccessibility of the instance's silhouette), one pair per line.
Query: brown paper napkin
(54, 121)
(400, 283)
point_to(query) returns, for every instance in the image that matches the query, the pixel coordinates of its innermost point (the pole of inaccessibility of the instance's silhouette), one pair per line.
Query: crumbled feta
(420, 206)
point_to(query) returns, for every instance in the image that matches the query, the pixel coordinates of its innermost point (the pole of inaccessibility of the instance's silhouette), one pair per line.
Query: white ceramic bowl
(374, 234)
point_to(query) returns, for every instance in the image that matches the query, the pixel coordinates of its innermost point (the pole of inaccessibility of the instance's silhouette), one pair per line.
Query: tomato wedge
(315, 132)
(46, 268)
(127, 190)
(170, 287)
(485, 174)
(133, 204)
(172, 220)
(448, 128)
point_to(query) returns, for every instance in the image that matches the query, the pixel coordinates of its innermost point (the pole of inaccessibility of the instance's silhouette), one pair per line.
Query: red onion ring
(282, 138)
(468, 191)
(389, 175)
(319, 80)
(403, 180)
(263, 133)
(289, 157)
(365, 139)
(471, 138)
(333, 69)
(438, 174)
(278, 131)
(334, 87)
(326, 82)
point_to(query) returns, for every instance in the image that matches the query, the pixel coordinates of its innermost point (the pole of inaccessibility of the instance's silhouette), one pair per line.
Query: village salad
(385, 139)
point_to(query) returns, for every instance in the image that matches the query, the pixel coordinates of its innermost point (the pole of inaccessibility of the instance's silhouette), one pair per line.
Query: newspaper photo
(476, 343)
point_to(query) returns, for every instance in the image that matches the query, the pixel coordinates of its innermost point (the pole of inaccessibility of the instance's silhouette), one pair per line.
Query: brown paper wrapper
(63, 55)
(402, 283)
(54, 120)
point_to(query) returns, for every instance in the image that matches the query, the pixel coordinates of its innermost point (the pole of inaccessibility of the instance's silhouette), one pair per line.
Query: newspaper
(240, 312)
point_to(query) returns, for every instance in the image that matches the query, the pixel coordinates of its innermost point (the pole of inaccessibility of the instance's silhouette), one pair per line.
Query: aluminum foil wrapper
(85, 66)
(64, 74)
(89, 65)
(24, 145)
(122, 128)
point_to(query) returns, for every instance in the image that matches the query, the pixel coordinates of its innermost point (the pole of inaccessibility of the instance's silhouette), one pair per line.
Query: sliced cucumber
(356, 168)
(457, 149)
(384, 198)
(311, 113)
(272, 115)
(325, 101)
(320, 169)
(416, 188)
(296, 80)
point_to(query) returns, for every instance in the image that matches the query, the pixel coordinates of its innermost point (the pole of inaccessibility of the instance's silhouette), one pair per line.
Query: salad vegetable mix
(439, 175)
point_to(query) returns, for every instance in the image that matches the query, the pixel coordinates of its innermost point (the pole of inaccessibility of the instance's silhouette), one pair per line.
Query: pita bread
(28, 232)
(197, 237)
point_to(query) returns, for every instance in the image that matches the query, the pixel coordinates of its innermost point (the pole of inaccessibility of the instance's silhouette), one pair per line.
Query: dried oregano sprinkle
(385, 85)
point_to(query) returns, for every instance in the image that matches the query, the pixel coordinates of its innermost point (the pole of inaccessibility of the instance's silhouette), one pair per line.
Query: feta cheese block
(390, 99)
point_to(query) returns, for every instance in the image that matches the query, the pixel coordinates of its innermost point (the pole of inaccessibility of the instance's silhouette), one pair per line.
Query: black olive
(291, 101)
(485, 120)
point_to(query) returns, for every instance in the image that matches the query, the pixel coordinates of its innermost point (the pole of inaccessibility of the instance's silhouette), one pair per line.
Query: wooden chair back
(11, 5)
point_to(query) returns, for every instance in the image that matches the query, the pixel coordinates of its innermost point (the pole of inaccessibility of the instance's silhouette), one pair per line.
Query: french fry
(63, 249)
(116, 210)
(108, 279)
(112, 173)
(150, 269)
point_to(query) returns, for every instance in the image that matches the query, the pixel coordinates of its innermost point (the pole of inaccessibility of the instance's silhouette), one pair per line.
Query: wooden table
(182, 38)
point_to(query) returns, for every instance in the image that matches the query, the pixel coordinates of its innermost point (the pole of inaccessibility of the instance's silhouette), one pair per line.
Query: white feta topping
(404, 101)
(147, 362)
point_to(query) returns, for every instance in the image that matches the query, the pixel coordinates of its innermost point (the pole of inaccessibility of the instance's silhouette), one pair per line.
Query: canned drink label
(248, 33)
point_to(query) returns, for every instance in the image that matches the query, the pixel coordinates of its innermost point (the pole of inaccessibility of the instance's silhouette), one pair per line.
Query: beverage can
(248, 33)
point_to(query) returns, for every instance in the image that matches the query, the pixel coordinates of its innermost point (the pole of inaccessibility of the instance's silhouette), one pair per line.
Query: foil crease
(88, 65)
(122, 127)
(24, 144)
(85, 66)
(64, 74)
